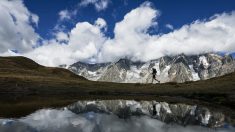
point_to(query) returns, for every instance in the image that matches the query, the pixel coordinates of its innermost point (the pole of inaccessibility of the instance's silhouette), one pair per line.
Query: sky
(66, 31)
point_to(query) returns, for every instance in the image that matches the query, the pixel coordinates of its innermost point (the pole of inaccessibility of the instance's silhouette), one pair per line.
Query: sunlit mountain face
(180, 68)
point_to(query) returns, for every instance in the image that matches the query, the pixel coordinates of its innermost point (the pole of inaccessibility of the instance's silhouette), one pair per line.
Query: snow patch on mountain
(178, 68)
(194, 74)
(204, 62)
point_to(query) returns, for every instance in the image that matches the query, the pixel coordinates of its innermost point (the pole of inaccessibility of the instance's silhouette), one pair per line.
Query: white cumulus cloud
(16, 26)
(131, 35)
(132, 39)
(83, 43)
(88, 42)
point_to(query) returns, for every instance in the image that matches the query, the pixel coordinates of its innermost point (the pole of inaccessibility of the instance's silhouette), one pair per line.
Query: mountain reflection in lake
(48, 120)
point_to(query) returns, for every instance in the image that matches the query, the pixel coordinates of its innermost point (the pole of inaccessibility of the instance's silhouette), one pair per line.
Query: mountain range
(26, 86)
(179, 68)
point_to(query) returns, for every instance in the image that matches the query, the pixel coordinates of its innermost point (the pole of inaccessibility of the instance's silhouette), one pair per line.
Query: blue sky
(177, 13)
(66, 31)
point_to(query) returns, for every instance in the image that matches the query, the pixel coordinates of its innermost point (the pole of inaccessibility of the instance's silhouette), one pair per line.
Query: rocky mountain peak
(182, 58)
(164, 61)
(179, 68)
(124, 64)
(227, 59)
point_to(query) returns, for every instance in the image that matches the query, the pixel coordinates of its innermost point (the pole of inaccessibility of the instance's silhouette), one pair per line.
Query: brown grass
(26, 86)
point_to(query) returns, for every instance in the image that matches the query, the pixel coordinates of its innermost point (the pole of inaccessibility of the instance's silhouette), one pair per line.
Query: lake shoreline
(17, 108)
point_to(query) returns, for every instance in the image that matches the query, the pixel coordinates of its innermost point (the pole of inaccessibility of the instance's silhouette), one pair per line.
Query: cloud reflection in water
(48, 120)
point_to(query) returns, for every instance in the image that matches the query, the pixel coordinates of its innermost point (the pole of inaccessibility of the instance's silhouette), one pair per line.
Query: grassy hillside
(26, 86)
(24, 67)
